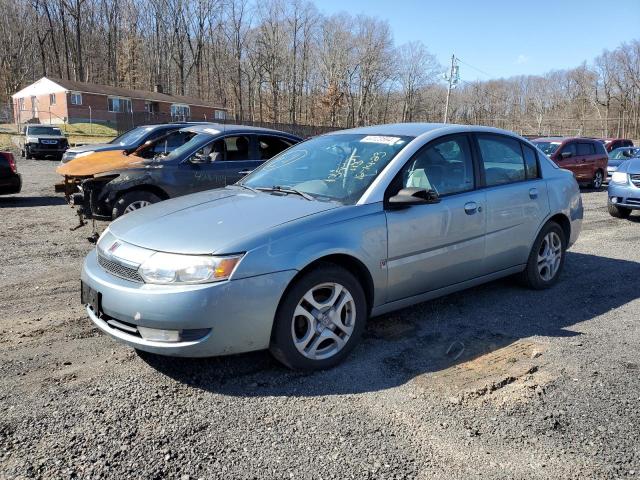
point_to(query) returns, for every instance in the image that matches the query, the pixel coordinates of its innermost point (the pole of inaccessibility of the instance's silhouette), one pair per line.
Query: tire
(598, 179)
(133, 200)
(618, 212)
(27, 154)
(326, 335)
(539, 276)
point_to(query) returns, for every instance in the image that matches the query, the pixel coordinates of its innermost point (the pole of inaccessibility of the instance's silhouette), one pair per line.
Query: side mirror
(565, 155)
(413, 196)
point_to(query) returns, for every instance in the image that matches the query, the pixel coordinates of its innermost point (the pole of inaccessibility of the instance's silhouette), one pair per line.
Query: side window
(569, 148)
(502, 159)
(209, 153)
(237, 147)
(269, 146)
(530, 162)
(446, 167)
(585, 149)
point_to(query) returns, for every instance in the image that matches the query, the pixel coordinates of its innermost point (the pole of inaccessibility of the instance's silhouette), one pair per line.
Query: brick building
(51, 100)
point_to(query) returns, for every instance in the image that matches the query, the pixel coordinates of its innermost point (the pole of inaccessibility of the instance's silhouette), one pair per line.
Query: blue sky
(505, 38)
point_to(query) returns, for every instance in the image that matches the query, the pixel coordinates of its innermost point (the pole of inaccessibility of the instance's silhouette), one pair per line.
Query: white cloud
(521, 59)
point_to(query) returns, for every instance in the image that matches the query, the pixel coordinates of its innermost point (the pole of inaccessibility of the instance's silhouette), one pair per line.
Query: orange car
(79, 169)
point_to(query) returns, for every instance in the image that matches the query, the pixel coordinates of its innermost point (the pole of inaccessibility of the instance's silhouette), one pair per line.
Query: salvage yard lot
(497, 381)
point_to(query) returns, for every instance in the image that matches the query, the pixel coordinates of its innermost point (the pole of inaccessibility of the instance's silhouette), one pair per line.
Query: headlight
(32, 139)
(619, 177)
(84, 154)
(168, 268)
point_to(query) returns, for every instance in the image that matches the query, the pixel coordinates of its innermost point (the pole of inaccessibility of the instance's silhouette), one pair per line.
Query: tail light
(12, 161)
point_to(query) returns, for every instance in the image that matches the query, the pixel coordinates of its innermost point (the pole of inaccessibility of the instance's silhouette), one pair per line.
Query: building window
(219, 114)
(76, 98)
(119, 104)
(52, 99)
(21, 104)
(180, 111)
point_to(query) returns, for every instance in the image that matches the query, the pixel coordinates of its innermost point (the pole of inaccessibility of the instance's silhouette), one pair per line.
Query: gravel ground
(494, 382)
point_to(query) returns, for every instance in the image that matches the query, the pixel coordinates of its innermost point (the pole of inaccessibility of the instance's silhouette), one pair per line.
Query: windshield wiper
(281, 189)
(247, 187)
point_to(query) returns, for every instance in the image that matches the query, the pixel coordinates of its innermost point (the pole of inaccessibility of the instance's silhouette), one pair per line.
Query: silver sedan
(349, 225)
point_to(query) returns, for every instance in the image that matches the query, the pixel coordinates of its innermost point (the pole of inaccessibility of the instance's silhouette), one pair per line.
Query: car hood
(99, 162)
(48, 137)
(615, 162)
(208, 222)
(630, 166)
(95, 147)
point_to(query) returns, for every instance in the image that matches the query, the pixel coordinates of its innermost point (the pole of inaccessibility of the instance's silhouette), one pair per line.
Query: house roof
(82, 87)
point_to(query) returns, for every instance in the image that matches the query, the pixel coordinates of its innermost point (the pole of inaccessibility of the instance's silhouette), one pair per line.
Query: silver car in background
(298, 255)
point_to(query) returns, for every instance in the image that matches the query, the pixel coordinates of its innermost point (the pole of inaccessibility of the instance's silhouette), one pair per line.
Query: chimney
(158, 88)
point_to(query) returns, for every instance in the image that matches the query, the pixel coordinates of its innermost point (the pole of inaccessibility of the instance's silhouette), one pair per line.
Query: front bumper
(41, 149)
(626, 195)
(239, 313)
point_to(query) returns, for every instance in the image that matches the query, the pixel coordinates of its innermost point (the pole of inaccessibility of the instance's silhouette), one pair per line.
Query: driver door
(436, 245)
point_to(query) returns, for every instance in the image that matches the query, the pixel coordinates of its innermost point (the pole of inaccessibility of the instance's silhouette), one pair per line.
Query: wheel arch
(145, 187)
(349, 263)
(564, 222)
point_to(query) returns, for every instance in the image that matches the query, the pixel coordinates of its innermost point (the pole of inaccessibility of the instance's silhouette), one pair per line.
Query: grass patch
(95, 129)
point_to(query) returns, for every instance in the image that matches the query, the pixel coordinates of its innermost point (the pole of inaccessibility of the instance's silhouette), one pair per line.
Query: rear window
(502, 158)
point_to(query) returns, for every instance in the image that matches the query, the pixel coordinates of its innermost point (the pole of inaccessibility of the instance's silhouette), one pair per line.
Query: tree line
(284, 61)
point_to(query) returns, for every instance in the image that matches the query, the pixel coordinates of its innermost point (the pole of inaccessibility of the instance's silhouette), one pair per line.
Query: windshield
(199, 140)
(619, 153)
(44, 131)
(132, 136)
(337, 167)
(548, 148)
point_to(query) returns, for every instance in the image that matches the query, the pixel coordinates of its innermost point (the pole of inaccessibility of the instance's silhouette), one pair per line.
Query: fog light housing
(614, 199)
(159, 335)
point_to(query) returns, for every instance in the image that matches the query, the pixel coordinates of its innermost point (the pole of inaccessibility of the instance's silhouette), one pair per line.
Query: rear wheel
(618, 212)
(320, 319)
(133, 200)
(546, 258)
(598, 178)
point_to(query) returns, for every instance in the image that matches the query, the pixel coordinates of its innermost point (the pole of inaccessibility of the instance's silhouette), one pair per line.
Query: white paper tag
(380, 139)
(212, 131)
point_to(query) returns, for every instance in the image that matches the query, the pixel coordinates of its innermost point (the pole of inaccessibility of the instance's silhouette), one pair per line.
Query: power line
(475, 68)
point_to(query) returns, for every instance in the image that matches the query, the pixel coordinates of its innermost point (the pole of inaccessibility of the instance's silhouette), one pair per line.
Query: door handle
(533, 193)
(471, 207)
(245, 172)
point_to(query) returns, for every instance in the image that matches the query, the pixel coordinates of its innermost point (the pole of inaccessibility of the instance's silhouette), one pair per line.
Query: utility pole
(453, 78)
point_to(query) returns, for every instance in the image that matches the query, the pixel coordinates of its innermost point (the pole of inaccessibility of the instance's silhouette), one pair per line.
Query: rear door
(586, 161)
(240, 158)
(516, 197)
(436, 245)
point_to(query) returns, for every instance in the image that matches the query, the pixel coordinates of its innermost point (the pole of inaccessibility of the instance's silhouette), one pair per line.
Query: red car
(613, 143)
(585, 157)
(10, 180)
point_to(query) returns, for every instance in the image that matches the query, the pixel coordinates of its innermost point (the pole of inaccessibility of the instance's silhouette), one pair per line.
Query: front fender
(362, 236)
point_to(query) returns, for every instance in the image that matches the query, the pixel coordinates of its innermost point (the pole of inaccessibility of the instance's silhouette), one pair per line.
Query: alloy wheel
(597, 181)
(549, 256)
(323, 321)
(137, 205)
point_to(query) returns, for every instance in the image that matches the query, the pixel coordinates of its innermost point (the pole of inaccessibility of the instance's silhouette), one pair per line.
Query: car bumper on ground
(11, 184)
(627, 196)
(214, 319)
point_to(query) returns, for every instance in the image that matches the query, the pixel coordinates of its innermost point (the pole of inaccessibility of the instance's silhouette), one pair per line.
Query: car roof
(217, 128)
(417, 129)
(563, 139)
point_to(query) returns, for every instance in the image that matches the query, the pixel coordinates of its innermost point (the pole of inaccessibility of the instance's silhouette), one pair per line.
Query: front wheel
(546, 258)
(618, 212)
(320, 319)
(27, 153)
(598, 178)
(132, 201)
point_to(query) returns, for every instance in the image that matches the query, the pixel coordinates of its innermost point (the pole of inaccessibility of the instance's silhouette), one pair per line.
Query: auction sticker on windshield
(380, 139)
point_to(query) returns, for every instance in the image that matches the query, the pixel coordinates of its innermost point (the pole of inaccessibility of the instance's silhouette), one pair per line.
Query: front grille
(119, 270)
(632, 201)
(635, 179)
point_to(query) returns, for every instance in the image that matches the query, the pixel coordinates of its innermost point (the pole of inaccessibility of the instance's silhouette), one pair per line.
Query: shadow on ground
(24, 202)
(429, 337)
